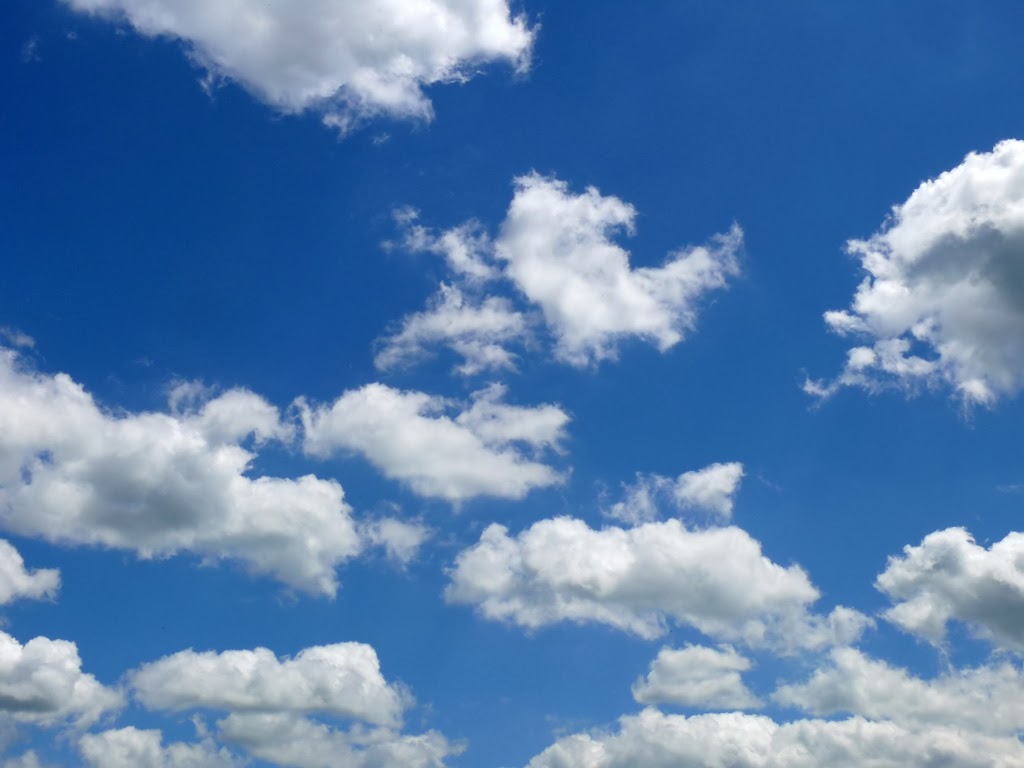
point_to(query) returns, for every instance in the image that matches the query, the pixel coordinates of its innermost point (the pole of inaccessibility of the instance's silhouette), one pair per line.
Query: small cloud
(16, 338)
(30, 51)
(1011, 488)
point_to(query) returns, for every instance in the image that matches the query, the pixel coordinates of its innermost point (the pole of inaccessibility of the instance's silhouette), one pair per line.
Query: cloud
(943, 299)
(697, 676)
(134, 748)
(710, 489)
(42, 683)
(562, 570)
(480, 332)
(556, 250)
(409, 437)
(656, 740)
(948, 577)
(304, 743)
(16, 338)
(17, 583)
(163, 483)
(343, 680)
(401, 541)
(348, 61)
(981, 700)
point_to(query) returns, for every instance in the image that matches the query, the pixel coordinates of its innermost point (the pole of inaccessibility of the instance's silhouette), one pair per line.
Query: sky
(497, 384)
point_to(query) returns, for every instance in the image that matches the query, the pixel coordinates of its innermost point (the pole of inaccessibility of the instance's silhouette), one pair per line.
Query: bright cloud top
(16, 582)
(557, 250)
(347, 60)
(711, 489)
(950, 578)
(563, 570)
(484, 450)
(164, 483)
(697, 676)
(943, 299)
(42, 683)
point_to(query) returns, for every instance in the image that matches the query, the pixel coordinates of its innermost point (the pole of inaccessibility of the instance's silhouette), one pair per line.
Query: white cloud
(558, 249)
(654, 740)
(710, 489)
(42, 683)
(982, 700)
(401, 540)
(409, 437)
(163, 483)
(343, 680)
(943, 299)
(17, 583)
(697, 676)
(134, 748)
(304, 743)
(16, 338)
(949, 577)
(348, 60)
(28, 760)
(480, 332)
(630, 579)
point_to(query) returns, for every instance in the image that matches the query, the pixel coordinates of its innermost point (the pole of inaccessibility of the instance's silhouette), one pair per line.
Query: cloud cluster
(948, 577)
(485, 449)
(556, 250)
(697, 676)
(943, 299)
(134, 748)
(711, 490)
(632, 579)
(348, 61)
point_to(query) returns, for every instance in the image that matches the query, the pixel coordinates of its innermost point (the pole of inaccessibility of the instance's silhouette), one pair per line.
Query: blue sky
(451, 383)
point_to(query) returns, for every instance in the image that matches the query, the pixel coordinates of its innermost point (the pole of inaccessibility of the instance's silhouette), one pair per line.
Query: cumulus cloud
(42, 683)
(697, 676)
(949, 577)
(401, 540)
(164, 483)
(656, 740)
(639, 579)
(16, 582)
(557, 251)
(343, 680)
(348, 61)
(410, 437)
(296, 741)
(943, 298)
(984, 700)
(134, 748)
(711, 489)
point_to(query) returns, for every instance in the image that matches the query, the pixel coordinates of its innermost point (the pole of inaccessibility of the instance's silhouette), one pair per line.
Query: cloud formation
(17, 583)
(348, 61)
(697, 676)
(134, 748)
(482, 450)
(943, 299)
(711, 490)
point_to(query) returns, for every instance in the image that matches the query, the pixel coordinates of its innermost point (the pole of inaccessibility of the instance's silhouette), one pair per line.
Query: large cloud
(347, 59)
(943, 299)
(134, 748)
(557, 250)
(16, 582)
(638, 579)
(409, 437)
(696, 676)
(163, 483)
(42, 683)
(654, 740)
(342, 680)
(949, 577)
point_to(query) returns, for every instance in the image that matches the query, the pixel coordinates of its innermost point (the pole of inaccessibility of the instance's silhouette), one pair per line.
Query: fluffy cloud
(304, 743)
(41, 682)
(639, 579)
(557, 250)
(943, 299)
(949, 577)
(710, 489)
(347, 60)
(343, 680)
(409, 437)
(697, 676)
(163, 483)
(655, 740)
(16, 582)
(479, 332)
(983, 700)
(134, 748)
(401, 541)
